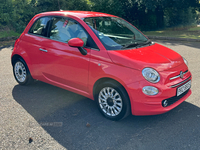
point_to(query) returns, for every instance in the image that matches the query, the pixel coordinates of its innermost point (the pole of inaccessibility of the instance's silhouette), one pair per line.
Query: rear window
(40, 27)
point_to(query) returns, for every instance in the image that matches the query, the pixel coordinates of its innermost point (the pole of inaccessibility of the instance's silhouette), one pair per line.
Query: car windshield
(115, 33)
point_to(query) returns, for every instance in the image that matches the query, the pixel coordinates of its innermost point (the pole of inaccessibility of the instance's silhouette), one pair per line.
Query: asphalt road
(41, 116)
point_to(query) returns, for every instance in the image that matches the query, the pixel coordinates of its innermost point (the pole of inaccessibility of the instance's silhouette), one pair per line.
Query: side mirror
(77, 42)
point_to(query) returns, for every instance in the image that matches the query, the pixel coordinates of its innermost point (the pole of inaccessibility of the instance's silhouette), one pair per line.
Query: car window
(115, 33)
(59, 30)
(64, 29)
(40, 27)
(76, 30)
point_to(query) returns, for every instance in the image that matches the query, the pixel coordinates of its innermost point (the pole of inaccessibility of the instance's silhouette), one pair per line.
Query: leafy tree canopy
(144, 14)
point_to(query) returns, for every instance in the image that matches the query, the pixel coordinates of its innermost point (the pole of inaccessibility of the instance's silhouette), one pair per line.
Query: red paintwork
(79, 14)
(159, 57)
(64, 66)
(76, 42)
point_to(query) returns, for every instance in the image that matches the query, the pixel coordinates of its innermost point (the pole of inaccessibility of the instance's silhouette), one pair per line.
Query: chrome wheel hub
(20, 71)
(110, 101)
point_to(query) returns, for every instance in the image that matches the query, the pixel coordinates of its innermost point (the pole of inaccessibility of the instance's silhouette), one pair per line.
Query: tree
(55, 5)
(5, 11)
(144, 14)
(172, 12)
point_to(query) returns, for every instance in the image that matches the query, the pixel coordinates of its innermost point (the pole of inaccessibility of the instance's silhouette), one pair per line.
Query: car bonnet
(155, 56)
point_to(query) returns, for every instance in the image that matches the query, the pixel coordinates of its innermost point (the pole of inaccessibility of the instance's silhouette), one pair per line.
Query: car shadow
(74, 122)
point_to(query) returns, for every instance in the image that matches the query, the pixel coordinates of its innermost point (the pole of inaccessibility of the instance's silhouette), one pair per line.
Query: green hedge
(144, 14)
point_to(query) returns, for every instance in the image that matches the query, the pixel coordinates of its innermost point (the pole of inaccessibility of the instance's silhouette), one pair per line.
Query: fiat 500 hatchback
(104, 58)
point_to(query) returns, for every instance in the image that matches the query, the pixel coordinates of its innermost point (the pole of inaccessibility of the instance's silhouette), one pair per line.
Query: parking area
(42, 116)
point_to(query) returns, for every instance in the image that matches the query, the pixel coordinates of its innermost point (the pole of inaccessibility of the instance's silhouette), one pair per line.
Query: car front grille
(178, 76)
(173, 86)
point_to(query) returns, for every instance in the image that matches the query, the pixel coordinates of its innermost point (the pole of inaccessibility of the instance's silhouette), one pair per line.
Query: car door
(32, 44)
(62, 64)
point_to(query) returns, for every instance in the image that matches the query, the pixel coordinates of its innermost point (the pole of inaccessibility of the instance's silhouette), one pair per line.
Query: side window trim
(48, 30)
(49, 26)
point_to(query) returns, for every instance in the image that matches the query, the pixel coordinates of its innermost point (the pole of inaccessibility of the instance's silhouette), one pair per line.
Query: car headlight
(185, 61)
(151, 75)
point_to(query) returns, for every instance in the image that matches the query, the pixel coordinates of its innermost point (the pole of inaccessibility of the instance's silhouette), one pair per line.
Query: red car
(104, 58)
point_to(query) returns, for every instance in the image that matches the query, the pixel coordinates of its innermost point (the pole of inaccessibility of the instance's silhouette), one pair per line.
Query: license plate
(183, 88)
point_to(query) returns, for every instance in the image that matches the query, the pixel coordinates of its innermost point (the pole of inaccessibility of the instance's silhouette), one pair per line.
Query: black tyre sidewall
(28, 79)
(125, 100)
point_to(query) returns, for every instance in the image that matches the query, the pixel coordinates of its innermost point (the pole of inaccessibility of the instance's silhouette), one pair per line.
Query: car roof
(79, 14)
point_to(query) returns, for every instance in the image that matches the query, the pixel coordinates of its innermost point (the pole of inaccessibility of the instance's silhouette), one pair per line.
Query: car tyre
(112, 101)
(22, 73)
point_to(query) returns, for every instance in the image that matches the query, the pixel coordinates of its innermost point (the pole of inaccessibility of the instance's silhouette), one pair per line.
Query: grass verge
(191, 33)
(8, 33)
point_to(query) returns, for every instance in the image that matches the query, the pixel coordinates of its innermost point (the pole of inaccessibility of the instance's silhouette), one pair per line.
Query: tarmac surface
(42, 116)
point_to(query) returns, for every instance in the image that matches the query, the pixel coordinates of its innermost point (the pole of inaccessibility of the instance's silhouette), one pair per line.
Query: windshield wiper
(137, 44)
(130, 45)
(148, 42)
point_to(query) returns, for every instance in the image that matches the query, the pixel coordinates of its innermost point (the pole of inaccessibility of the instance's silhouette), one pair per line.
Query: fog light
(150, 90)
(164, 103)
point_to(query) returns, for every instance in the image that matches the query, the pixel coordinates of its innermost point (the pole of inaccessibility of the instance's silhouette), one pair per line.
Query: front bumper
(142, 104)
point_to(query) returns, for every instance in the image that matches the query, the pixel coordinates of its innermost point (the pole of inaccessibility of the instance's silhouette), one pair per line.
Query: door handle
(43, 50)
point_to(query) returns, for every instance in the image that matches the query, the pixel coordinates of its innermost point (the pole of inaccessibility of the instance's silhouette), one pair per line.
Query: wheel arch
(103, 80)
(16, 57)
(106, 79)
(28, 78)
